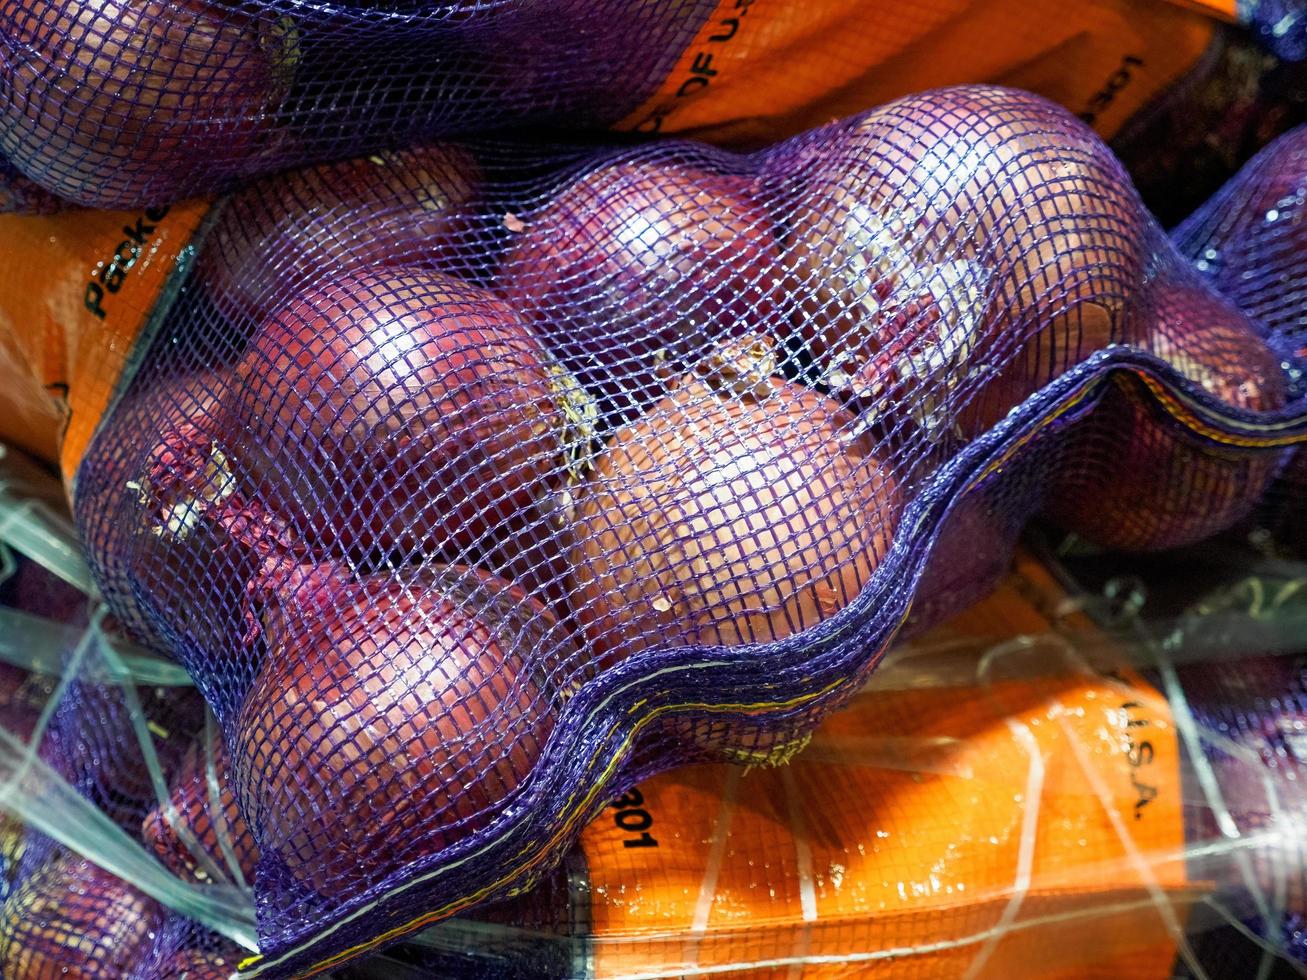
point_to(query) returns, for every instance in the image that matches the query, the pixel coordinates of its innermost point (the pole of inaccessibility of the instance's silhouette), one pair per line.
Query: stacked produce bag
(478, 467)
(126, 102)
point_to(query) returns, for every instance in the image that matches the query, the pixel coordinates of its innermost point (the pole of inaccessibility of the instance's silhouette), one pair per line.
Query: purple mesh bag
(125, 103)
(472, 484)
(1250, 243)
(1250, 240)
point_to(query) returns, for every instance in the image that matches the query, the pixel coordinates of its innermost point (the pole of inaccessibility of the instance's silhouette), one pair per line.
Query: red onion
(20, 195)
(207, 821)
(396, 409)
(107, 101)
(644, 262)
(951, 233)
(971, 554)
(71, 919)
(276, 238)
(145, 511)
(729, 513)
(395, 717)
(197, 964)
(1139, 483)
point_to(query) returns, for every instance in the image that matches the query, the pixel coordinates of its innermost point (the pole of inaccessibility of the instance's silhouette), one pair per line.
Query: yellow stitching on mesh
(1171, 401)
(761, 707)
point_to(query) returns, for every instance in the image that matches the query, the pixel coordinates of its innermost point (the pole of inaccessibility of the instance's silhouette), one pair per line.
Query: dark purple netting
(65, 915)
(121, 102)
(1257, 706)
(1250, 242)
(118, 103)
(511, 475)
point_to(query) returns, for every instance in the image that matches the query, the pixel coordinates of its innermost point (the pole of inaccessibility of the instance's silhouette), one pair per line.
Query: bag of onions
(129, 103)
(473, 483)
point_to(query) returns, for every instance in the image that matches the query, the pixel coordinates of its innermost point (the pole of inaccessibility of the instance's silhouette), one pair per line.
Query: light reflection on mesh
(489, 489)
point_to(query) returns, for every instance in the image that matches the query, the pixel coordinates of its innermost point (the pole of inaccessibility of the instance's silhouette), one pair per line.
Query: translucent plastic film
(1073, 777)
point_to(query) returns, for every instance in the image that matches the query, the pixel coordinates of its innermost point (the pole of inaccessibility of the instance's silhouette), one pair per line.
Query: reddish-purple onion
(396, 716)
(280, 236)
(644, 263)
(729, 513)
(960, 247)
(110, 101)
(207, 813)
(1138, 483)
(173, 575)
(390, 409)
(71, 920)
(969, 557)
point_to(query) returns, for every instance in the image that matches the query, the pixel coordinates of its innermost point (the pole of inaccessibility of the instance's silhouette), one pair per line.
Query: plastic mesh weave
(118, 103)
(511, 475)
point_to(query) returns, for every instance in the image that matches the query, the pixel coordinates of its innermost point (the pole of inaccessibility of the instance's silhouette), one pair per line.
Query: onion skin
(193, 802)
(71, 920)
(395, 409)
(1138, 483)
(120, 102)
(143, 509)
(390, 723)
(727, 518)
(394, 208)
(970, 556)
(640, 263)
(196, 964)
(950, 233)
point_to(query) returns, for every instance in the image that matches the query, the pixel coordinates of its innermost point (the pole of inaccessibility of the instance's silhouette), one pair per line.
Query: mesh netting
(1006, 787)
(855, 811)
(508, 476)
(1250, 240)
(131, 102)
(1250, 243)
(1256, 708)
(93, 733)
